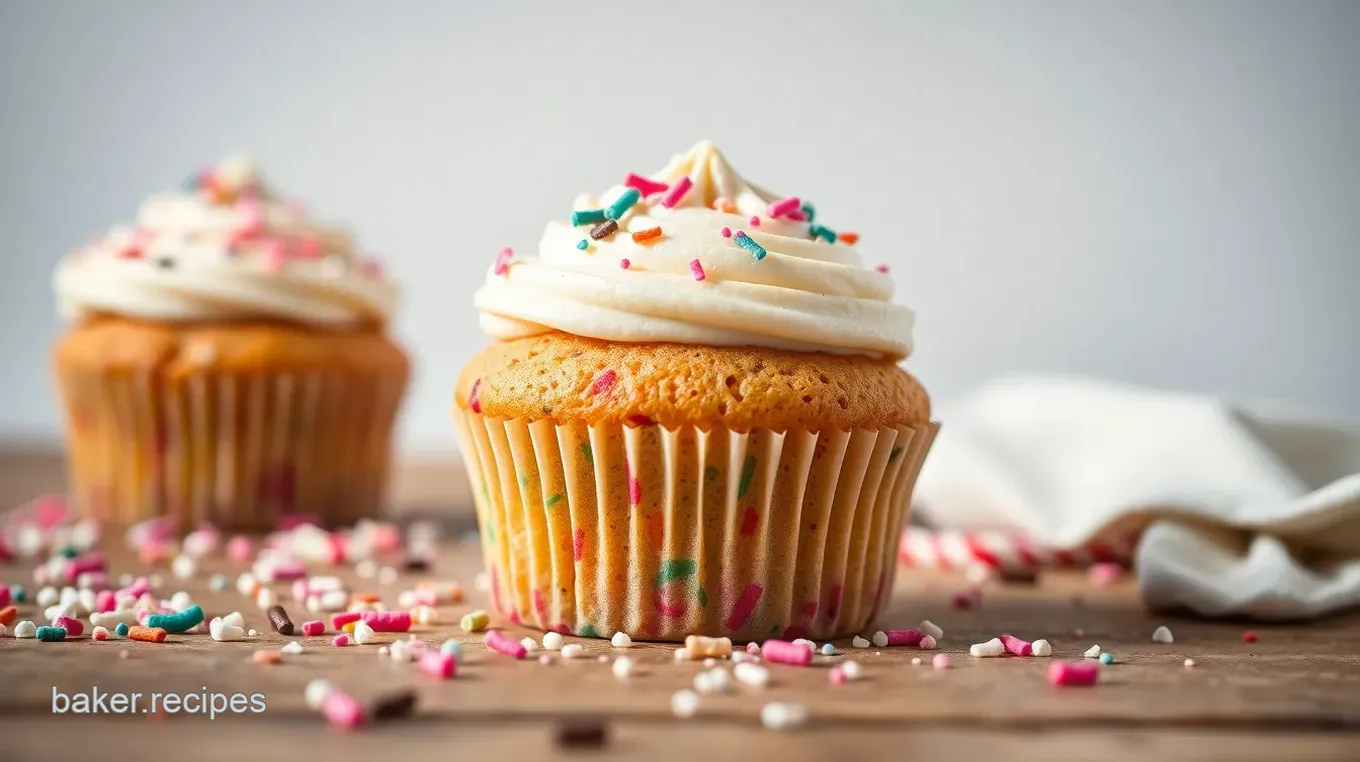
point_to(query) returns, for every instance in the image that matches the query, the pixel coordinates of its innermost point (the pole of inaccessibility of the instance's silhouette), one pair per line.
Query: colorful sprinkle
(578, 544)
(724, 205)
(882, 269)
(783, 206)
(677, 192)
(308, 247)
(1073, 673)
(588, 453)
(604, 229)
(583, 244)
(475, 399)
(849, 239)
(748, 470)
(621, 206)
(697, 269)
(726, 232)
(746, 603)
(646, 235)
(604, 382)
(1248, 637)
(625, 263)
(749, 521)
(503, 260)
(587, 630)
(634, 491)
(587, 216)
(676, 568)
(644, 185)
(809, 212)
(823, 232)
(552, 500)
(748, 243)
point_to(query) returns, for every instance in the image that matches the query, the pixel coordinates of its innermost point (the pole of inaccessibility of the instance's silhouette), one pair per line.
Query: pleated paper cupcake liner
(660, 534)
(238, 450)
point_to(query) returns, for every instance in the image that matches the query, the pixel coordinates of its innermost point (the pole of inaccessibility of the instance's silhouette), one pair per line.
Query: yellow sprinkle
(475, 621)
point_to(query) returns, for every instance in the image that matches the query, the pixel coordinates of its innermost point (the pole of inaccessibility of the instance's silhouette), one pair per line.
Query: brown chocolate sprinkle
(394, 706)
(417, 564)
(604, 229)
(582, 734)
(279, 621)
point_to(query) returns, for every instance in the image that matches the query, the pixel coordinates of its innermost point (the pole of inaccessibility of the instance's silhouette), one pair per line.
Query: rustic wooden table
(1294, 694)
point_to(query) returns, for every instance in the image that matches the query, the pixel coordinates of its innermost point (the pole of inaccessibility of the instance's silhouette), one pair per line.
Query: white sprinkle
(1093, 652)
(155, 580)
(915, 661)
(851, 669)
(931, 629)
(623, 667)
(573, 651)
(452, 647)
(184, 566)
(316, 693)
(927, 643)
(181, 601)
(859, 642)
(1041, 647)
(293, 647)
(684, 703)
(5, 630)
(387, 575)
(245, 583)
(382, 650)
(621, 640)
(1162, 635)
(1189, 662)
(977, 574)
(740, 656)
(253, 634)
(235, 619)
(25, 629)
(265, 598)
(482, 582)
(682, 654)
(991, 648)
(783, 716)
(529, 644)
(602, 659)
(750, 674)
(716, 680)
(881, 639)
(710, 662)
(366, 569)
(223, 632)
(88, 601)
(545, 660)
(424, 615)
(407, 599)
(363, 633)
(47, 596)
(805, 643)
(552, 641)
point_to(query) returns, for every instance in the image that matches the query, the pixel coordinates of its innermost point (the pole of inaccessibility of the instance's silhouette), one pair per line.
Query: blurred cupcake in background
(226, 360)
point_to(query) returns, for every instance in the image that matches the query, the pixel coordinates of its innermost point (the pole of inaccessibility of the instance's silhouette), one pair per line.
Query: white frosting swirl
(805, 295)
(227, 248)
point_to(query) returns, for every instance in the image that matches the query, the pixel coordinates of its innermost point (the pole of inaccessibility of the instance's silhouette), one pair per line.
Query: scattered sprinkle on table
(1041, 647)
(1073, 673)
(581, 734)
(1248, 637)
(1162, 635)
(1093, 652)
(1107, 658)
(573, 651)
(990, 649)
(621, 640)
(552, 641)
(684, 703)
(475, 621)
(783, 716)
(858, 642)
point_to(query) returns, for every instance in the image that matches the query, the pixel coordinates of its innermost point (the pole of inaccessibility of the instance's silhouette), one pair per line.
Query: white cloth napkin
(1243, 511)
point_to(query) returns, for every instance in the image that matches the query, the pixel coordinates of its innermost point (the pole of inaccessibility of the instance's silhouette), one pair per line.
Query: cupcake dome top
(226, 247)
(695, 254)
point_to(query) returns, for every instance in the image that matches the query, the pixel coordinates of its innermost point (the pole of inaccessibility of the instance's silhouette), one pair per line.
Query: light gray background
(1160, 192)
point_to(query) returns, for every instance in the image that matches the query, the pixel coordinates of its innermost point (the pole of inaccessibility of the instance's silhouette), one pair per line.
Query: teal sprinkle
(69, 552)
(625, 202)
(896, 451)
(810, 211)
(121, 630)
(587, 630)
(588, 453)
(710, 472)
(676, 568)
(177, 623)
(583, 244)
(18, 593)
(748, 470)
(553, 500)
(702, 595)
(748, 243)
(828, 649)
(1107, 658)
(823, 232)
(587, 216)
(51, 634)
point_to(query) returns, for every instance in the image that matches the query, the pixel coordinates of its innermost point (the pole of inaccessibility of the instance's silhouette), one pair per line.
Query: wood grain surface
(1294, 694)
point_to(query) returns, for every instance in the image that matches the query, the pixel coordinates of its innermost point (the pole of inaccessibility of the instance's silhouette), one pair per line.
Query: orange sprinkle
(456, 594)
(268, 657)
(850, 238)
(146, 634)
(646, 235)
(347, 626)
(8, 615)
(365, 598)
(724, 205)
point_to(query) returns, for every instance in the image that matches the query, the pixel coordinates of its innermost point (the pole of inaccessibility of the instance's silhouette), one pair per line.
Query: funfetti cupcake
(226, 361)
(692, 420)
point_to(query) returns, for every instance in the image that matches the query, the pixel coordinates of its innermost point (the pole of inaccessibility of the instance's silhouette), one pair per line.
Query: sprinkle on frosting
(697, 269)
(754, 222)
(726, 232)
(583, 244)
(644, 186)
(625, 263)
(625, 202)
(849, 239)
(882, 268)
(748, 243)
(503, 260)
(809, 212)
(649, 234)
(724, 205)
(604, 229)
(587, 216)
(677, 192)
(783, 206)
(822, 232)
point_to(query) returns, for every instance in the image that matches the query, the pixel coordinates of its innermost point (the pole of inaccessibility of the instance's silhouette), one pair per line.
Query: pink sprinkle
(1074, 673)
(677, 192)
(73, 627)
(438, 665)
(578, 544)
(784, 206)
(634, 491)
(340, 620)
(927, 643)
(625, 264)
(342, 710)
(90, 562)
(314, 627)
(308, 247)
(910, 637)
(475, 399)
(727, 232)
(755, 222)
(340, 641)
(784, 652)
(697, 268)
(502, 643)
(1104, 573)
(837, 676)
(1248, 637)
(1015, 645)
(387, 621)
(882, 268)
(100, 635)
(645, 186)
(274, 256)
(105, 601)
(252, 216)
(503, 260)
(941, 661)
(798, 216)
(239, 549)
(746, 603)
(287, 571)
(753, 647)
(604, 382)
(139, 587)
(966, 600)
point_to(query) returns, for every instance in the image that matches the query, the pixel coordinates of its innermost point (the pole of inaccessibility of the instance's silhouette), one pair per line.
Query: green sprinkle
(810, 211)
(524, 480)
(587, 630)
(121, 630)
(51, 634)
(748, 243)
(18, 593)
(177, 623)
(825, 233)
(69, 552)
(583, 244)
(710, 472)
(676, 568)
(587, 216)
(702, 595)
(588, 453)
(625, 202)
(748, 470)
(553, 500)
(896, 451)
